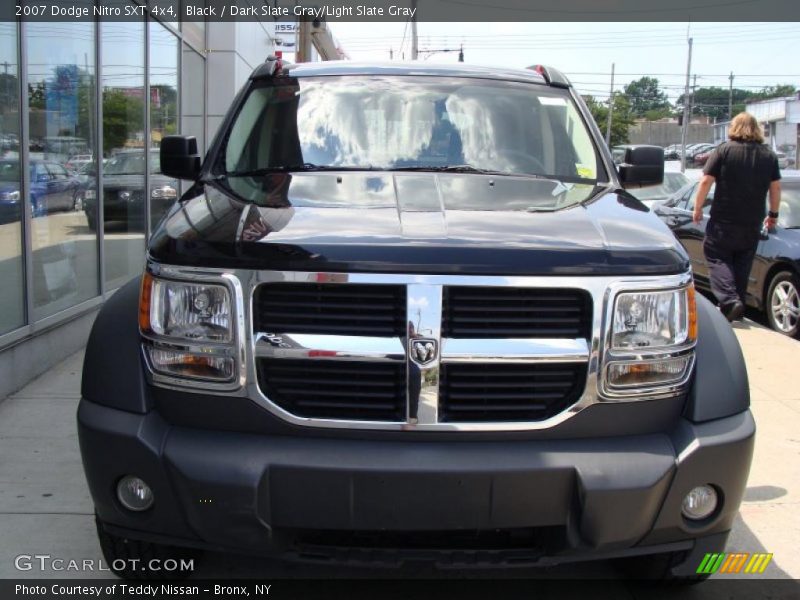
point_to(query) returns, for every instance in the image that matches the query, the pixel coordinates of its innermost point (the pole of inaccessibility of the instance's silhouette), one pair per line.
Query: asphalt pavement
(45, 506)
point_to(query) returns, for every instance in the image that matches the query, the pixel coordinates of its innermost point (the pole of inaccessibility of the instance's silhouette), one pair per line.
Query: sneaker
(733, 311)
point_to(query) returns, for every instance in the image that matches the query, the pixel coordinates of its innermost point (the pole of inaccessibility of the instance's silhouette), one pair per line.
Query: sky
(759, 54)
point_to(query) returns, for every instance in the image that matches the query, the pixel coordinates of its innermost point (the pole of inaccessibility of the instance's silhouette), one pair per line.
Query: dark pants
(729, 251)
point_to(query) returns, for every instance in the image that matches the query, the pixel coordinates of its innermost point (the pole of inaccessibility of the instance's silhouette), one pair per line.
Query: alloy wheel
(785, 306)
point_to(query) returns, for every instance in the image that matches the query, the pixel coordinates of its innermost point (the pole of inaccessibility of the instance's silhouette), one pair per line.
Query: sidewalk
(45, 507)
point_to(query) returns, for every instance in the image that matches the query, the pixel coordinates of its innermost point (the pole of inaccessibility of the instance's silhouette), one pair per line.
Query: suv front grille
(470, 392)
(362, 391)
(421, 353)
(509, 312)
(334, 309)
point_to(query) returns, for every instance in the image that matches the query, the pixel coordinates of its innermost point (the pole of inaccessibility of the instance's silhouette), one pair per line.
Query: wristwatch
(772, 215)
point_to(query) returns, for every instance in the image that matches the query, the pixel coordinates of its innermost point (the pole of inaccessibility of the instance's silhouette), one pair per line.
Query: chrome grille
(375, 310)
(336, 389)
(479, 392)
(508, 312)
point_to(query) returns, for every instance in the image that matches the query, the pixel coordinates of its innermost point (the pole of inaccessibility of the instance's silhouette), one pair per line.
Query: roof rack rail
(552, 76)
(272, 66)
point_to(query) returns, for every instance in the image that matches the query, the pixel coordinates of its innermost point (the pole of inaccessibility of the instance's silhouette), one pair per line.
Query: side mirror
(642, 166)
(179, 157)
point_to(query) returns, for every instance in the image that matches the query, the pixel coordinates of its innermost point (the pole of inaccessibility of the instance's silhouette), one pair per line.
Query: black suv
(410, 312)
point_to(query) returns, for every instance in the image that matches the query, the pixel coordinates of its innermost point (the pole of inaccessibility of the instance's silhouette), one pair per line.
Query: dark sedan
(774, 286)
(123, 190)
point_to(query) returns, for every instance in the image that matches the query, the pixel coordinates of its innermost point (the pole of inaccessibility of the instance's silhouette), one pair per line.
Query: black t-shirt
(743, 173)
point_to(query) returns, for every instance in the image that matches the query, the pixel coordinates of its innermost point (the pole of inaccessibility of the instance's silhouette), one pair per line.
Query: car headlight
(124, 195)
(651, 341)
(89, 195)
(165, 192)
(188, 328)
(12, 197)
(647, 320)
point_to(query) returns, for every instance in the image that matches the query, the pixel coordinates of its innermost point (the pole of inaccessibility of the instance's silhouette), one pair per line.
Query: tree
(123, 117)
(621, 118)
(713, 101)
(645, 96)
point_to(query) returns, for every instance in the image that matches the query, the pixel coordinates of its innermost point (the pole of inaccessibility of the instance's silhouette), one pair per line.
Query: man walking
(744, 169)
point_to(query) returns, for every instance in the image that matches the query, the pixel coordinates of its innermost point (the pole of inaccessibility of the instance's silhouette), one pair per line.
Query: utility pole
(610, 108)
(391, 54)
(691, 100)
(685, 128)
(730, 97)
(414, 38)
(304, 41)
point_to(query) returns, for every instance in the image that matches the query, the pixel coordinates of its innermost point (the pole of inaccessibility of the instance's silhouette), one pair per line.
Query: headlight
(196, 312)
(647, 320)
(651, 341)
(124, 195)
(89, 195)
(165, 192)
(188, 330)
(12, 196)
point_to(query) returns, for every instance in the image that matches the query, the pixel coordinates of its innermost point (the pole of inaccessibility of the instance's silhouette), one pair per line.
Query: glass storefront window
(193, 96)
(124, 197)
(12, 296)
(62, 122)
(163, 114)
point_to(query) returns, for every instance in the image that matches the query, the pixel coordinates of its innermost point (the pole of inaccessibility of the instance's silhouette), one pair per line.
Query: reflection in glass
(61, 93)
(193, 96)
(403, 122)
(163, 108)
(124, 198)
(530, 135)
(12, 299)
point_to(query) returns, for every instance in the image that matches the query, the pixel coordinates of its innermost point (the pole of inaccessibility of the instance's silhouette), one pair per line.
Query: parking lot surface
(45, 506)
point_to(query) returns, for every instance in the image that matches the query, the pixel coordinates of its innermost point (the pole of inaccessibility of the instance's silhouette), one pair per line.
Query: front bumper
(281, 495)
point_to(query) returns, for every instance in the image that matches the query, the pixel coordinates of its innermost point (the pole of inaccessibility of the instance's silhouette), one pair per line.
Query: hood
(417, 223)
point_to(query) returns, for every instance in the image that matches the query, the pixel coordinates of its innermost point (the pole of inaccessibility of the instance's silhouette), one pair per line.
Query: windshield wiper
(294, 168)
(466, 169)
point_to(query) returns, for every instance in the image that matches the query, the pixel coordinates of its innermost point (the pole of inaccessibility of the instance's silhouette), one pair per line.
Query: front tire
(135, 559)
(658, 568)
(782, 304)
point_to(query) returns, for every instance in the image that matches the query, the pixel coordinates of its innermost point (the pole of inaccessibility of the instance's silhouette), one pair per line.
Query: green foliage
(645, 96)
(621, 118)
(123, 118)
(713, 101)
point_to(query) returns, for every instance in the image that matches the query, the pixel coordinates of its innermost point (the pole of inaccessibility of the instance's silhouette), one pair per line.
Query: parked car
(75, 163)
(671, 152)
(697, 149)
(53, 188)
(408, 313)
(123, 190)
(774, 283)
(653, 194)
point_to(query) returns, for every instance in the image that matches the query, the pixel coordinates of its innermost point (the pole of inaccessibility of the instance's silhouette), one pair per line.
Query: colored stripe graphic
(734, 562)
(758, 563)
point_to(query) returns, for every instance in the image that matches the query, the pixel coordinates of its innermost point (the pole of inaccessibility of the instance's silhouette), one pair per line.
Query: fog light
(134, 494)
(699, 503)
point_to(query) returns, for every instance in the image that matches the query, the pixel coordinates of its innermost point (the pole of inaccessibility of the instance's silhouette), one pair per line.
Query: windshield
(130, 164)
(400, 123)
(9, 171)
(789, 213)
(672, 183)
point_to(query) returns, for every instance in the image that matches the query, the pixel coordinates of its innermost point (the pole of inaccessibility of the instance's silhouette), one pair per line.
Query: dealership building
(83, 109)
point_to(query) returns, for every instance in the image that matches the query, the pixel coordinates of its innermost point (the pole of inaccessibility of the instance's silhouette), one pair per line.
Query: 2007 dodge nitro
(408, 312)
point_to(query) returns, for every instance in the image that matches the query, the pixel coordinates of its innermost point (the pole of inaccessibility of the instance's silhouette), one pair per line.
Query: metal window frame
(32, 326)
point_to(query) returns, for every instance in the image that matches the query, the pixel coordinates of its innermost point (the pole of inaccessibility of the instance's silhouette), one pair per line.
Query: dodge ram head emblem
(423, 351)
